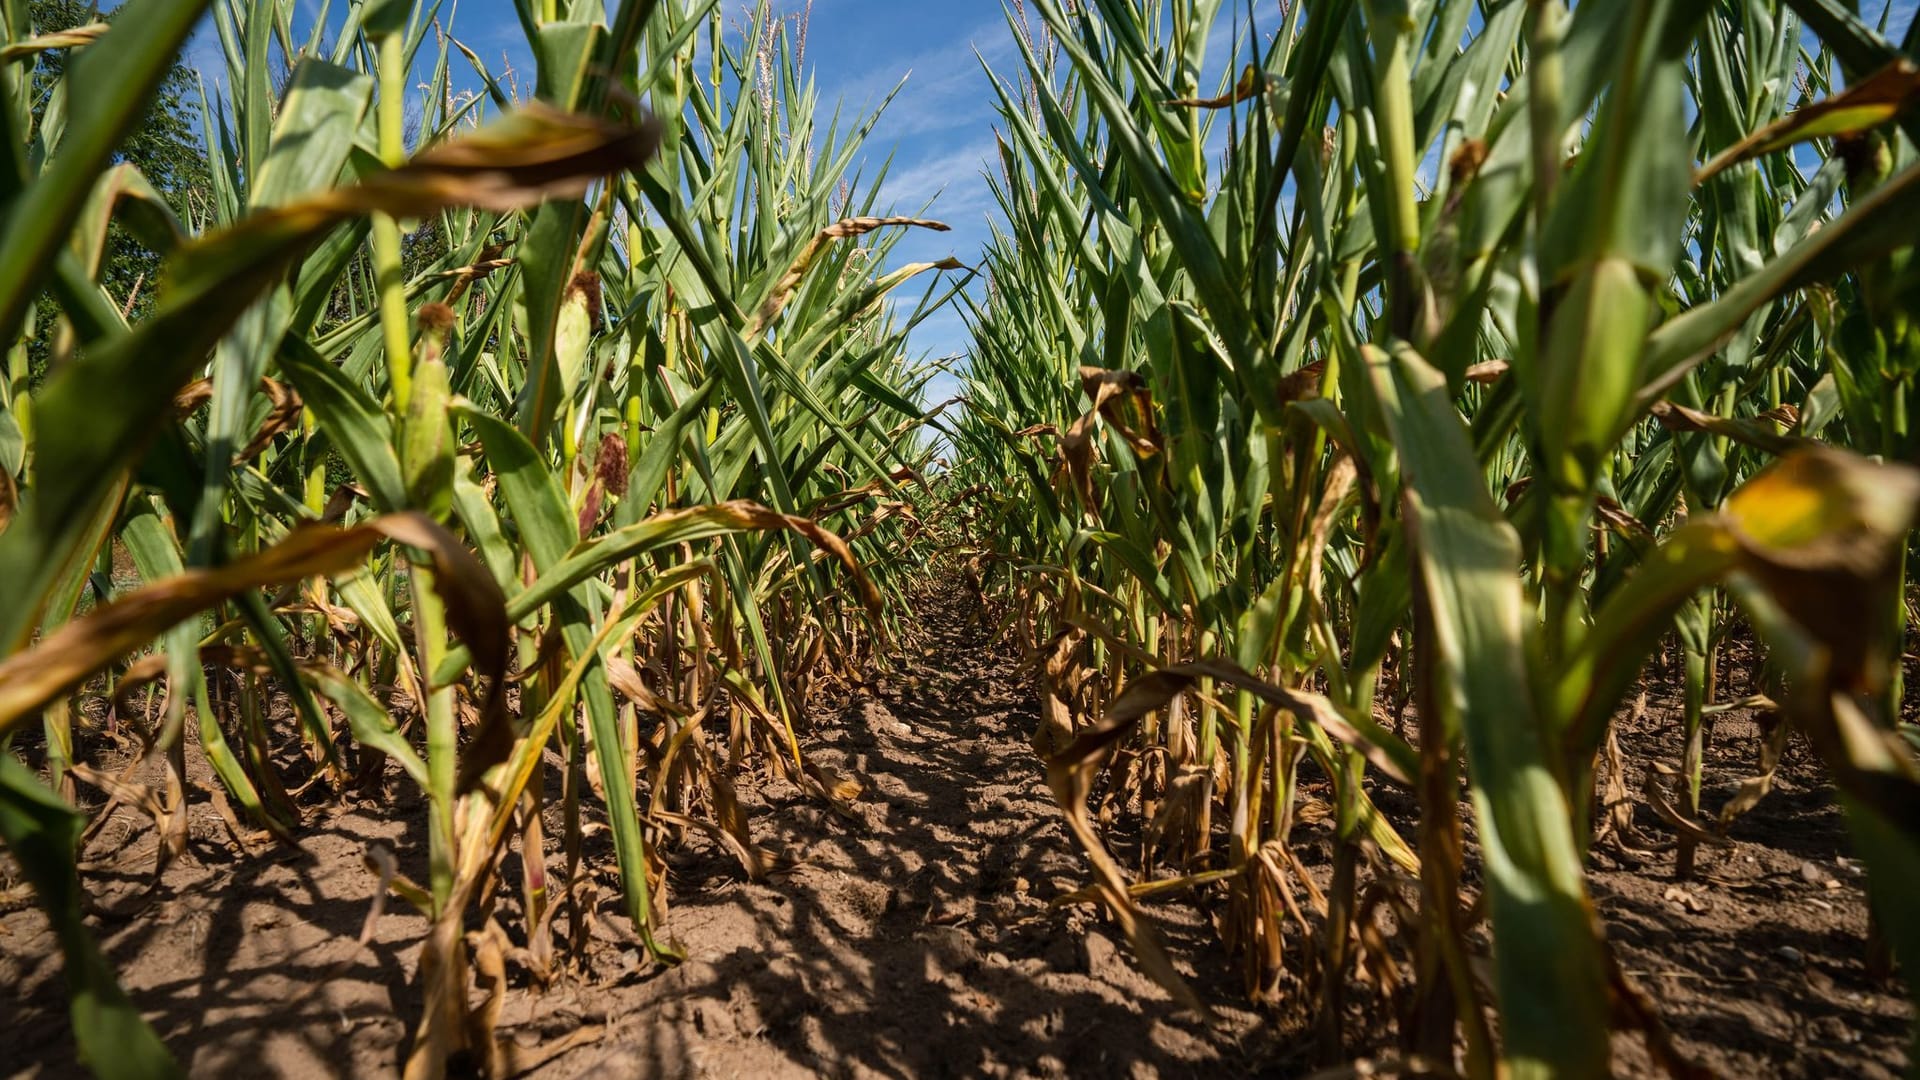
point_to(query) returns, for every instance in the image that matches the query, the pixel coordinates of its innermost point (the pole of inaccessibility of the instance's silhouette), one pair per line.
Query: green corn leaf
(1550, 975)
(109, 85)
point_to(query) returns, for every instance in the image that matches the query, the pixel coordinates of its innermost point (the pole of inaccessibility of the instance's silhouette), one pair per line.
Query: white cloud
(951, 180)
(945, 88)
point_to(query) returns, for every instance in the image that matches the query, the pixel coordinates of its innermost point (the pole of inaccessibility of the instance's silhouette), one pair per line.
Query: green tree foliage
(166, 146)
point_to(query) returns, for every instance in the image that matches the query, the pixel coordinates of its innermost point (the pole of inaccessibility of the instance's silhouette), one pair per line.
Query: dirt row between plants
(910, 931)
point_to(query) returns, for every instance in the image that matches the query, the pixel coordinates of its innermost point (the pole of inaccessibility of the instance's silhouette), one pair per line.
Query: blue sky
(939, 128)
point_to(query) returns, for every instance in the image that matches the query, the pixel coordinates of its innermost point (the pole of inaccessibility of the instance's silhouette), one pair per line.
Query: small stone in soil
(1062, 954)
(952, 945)
(1103, 958)
(1686, 900)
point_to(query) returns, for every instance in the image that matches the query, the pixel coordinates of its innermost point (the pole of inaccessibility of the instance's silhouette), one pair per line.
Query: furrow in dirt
(909, 932)
(915, 937)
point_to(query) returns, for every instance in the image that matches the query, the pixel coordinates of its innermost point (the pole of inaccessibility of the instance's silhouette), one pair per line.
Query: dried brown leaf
(65, 658)
(796, 273)
(1867, 104)
(1248, 87)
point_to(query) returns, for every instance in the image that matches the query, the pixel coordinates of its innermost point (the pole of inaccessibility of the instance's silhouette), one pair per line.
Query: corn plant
(1501, 342)
(601, 395)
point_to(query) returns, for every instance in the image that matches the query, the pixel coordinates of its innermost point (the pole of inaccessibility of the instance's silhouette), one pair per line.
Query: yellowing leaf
(1248, 86)
(1878, 99)
(1823, 509)
(64, 659)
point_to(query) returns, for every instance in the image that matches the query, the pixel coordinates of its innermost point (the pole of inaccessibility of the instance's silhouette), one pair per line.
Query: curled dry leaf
(1390, 755)
(284, 416)
(1757, 432)
(466, 275)
(1487, 372)
(690, 524)
(686, 756)
(1613, 516)
(830, 544)
(927, 416)
(1303, 384)
(1875, 100)
(856, 495)
(1823, 530)
(1070, 775)
(1123, 400)
(1250, 84)
(626, 679)
(490, 946)
(1056, 719)
(477, 614)
(67, 657)
(122, 790)
(533, 154)
(1072, 771)
(193, 395)
(839, 787)
(1657, 798)
(77, 37)
(1466, 162)
(1341, 476)
(1180, 807)
(380, 861)
(1773, 746)
(789, 282)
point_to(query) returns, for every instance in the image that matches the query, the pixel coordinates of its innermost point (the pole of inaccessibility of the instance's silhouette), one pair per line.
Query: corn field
(463, 504)
(1346, 433)
(1377, 411)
